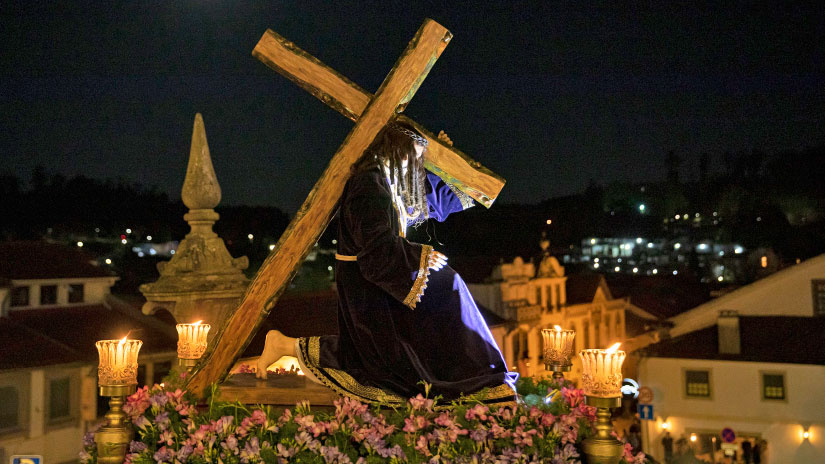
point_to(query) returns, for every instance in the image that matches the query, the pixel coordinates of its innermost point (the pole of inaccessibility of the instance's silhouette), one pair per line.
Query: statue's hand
(445, 138)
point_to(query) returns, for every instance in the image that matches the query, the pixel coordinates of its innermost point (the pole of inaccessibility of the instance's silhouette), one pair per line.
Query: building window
(697, 384)
(60, 399)
(818, 289)
(20, 296)
(76, 293)
(9, 409)
(48, 294)
(773, 386)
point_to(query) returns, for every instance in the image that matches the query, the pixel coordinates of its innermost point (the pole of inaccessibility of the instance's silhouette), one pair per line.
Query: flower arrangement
(548, 428)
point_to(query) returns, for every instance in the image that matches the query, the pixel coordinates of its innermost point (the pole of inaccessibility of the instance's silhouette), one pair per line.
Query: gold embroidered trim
(420, 284)
(346, 257)
(345, 385)
(466, 200)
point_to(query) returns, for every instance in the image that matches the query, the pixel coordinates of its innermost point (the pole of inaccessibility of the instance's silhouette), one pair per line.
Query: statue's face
(419, 150)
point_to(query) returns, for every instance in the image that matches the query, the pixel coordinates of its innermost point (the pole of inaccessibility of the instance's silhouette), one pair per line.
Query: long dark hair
(392, 146)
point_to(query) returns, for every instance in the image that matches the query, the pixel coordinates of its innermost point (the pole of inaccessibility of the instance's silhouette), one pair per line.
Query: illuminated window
(697, 384)
(764, 261)
(773, 386)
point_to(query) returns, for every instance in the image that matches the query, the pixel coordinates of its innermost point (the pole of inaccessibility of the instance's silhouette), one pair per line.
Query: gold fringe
(420, 284)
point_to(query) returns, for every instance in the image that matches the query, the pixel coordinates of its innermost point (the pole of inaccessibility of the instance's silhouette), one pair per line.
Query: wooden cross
(371, 113)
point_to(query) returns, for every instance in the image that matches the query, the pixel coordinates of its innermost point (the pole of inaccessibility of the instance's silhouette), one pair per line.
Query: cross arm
(349, 99)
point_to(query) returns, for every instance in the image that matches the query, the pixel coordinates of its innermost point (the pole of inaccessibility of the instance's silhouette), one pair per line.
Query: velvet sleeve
(384, 258)
(443, 199)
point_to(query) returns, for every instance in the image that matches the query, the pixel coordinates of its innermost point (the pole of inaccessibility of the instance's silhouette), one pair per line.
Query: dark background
(550, 95)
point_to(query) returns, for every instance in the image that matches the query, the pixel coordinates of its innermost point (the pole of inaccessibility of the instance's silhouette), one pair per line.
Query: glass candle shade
(192, 340)
(118, 361)
(558, 345)
(602, 372)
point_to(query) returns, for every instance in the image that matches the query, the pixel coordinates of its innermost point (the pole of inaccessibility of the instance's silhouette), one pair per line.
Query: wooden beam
(349, 99)
(311, 220)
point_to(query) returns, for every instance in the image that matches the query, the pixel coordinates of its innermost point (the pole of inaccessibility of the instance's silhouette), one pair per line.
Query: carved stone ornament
(202, 280)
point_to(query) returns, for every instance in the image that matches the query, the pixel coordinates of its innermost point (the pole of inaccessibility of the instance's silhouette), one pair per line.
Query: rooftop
(776, 339)
(23, 260)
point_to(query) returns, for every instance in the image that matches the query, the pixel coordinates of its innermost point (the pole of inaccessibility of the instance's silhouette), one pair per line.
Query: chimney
(728, 327)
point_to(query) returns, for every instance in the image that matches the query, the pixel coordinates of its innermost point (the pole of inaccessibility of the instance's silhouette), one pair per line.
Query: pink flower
(419, 403)
(478, 411)
(413, 424)
(573, 396)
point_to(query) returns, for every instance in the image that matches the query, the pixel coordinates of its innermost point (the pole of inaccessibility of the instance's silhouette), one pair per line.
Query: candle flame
(122, 341)
(613, 348)
(196, 323)
(558, 328)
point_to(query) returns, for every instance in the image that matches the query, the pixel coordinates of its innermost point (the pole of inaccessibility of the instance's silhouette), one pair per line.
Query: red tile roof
(42, 260)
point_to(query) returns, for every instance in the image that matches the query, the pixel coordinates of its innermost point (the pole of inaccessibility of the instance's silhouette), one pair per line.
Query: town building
(752, 361)
(56, 303)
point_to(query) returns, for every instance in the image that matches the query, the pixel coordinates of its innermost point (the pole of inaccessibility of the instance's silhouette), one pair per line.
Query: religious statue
(407, 322)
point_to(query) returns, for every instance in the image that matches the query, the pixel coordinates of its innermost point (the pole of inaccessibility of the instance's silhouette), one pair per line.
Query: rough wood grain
(246, 389)
(311, 220)
(350, 100)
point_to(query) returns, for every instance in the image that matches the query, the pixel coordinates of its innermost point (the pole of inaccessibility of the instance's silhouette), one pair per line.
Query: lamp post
(602, 383)
(191, 343)
(558, 347)
(117, 378)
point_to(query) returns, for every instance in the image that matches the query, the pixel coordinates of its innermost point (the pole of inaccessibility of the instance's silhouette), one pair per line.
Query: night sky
(550, 95)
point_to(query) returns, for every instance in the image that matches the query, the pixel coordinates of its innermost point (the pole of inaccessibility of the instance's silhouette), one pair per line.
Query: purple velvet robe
(401, 324)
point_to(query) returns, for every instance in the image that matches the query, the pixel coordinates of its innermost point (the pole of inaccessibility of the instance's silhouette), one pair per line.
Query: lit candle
(558, 345)
(192, 340)
(118, 361)
(602, 372)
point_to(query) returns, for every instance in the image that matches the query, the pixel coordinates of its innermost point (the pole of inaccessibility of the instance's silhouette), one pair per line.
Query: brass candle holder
(117, 379)
(602, 383)
(558, 347)
(191, 343)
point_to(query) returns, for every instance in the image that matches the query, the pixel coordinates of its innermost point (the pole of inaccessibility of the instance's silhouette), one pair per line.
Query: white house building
(752, 361)
(55, 303)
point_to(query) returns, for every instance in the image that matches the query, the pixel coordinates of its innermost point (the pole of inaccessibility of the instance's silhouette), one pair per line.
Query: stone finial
(200, 188)
(202, 280)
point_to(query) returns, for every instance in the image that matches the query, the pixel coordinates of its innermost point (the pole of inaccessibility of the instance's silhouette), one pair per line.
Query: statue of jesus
(406, 320)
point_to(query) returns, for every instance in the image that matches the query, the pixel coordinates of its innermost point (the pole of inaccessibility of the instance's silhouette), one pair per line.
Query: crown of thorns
(403, 130)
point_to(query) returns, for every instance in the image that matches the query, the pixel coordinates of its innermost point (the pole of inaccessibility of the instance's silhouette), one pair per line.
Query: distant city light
(619, 260)
(80, 244)
(250, 236)
(692, 437)
(720, 278)
(721, 253)
(334, 241)
(97, 229)
(738, 250)
(685, 216)
(675, 272)
(616, 268)
(108, 261)
(758, 218)
(635, 270)
(642, 208)
(697, 214)
(592, 241)
(123, 241)
(638, 240)
(595, 265)
(549, 221)
(329, 268)
(271, 247)
(140, 254)
(677, 245)
(128, 231)
(171, 252)
(152, 251)
(715, 214)
(149, 237)
(595, 260)
(650, 244)
(677, 217)
(655, 271)
(764, 261)
(703, 246)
